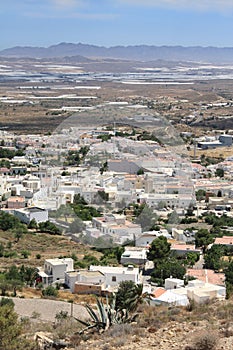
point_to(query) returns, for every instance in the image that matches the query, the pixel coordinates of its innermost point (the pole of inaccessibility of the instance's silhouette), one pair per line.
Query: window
(113, 278)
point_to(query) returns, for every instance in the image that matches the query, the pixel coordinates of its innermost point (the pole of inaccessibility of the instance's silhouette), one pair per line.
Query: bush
(205, 340)
(50, 291)
(25, 253)
(6, 301)
(8, 221)
(49, 227)
(62, 315)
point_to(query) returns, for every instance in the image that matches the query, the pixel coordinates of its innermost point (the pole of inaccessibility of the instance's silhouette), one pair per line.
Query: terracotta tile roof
(206, 275)
(16, 199)
(224, 240)
(158, 292)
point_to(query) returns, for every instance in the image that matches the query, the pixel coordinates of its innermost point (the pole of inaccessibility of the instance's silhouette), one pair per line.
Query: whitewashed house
(115, 275)
(134, 255)
(84, 281)
(25, 215)
(54, 270)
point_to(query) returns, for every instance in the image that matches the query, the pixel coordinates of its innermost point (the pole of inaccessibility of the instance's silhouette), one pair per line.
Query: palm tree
(129, 296)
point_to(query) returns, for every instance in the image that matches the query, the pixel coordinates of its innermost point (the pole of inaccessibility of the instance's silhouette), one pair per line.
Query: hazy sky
(116, 22)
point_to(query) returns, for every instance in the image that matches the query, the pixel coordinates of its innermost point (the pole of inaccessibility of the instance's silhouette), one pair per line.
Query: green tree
(173, 218)
(229, 273)
(50, 291)
(104, 137)
(219, 172)
(159, 249)
(229, 279)
(33, 224)
(161, 205)
(15, 285)
(6, 301)
(90, 260)
(1, 250)
(8, 221)
(28, 274)
(203, 238)
(65, 211)
(200, 195)
(25, 253)
(77, 226)
(13, 273)
(129, 296)
(78, 199)
(191, 258)
(49, 227)
(4, 284)
(166, 268)
(11, 330)
(19, 231)
(213, 257)
(84, 150)
(101, 197)
(104, 167)
(146, 218)
(14, 279)
(111, 256)
(140, 171)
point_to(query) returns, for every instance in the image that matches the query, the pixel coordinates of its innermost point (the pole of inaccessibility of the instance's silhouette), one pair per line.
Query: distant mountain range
(137, 52)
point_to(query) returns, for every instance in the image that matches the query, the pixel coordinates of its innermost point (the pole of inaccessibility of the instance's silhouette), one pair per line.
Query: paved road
(47, 309)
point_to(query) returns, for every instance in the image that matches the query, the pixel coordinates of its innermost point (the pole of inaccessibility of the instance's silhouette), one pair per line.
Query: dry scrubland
(173, 102)
(47, 246)
(206, 327)
(221, 152)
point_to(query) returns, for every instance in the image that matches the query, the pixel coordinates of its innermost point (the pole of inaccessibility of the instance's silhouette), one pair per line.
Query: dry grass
(221, 152)
(203, 340)
(48, 246)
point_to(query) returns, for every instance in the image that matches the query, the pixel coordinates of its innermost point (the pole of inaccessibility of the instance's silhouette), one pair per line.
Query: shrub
(62, 315)
(204, 340)
(50, 291)
(6, 301)
(25, 253)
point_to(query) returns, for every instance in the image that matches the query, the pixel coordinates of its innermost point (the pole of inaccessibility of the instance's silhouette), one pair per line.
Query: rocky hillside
(206, 327)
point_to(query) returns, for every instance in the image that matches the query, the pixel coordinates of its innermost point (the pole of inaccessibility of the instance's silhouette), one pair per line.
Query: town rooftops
(58, 261)
(207, 276)
(186, 247)
(225, 240)
(16, 199)
(34, 209)
(115, 269)
(158, 292)
(85, 273)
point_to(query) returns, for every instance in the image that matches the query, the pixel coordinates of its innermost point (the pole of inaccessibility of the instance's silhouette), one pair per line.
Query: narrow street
(200, 263)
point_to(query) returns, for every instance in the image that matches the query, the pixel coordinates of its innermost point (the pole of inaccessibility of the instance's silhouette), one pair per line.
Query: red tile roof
(206, 275)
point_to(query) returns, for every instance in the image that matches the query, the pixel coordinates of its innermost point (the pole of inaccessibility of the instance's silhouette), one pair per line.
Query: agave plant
(105, 316)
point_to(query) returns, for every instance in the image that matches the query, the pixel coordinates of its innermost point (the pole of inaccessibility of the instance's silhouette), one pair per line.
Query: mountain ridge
(142, 52)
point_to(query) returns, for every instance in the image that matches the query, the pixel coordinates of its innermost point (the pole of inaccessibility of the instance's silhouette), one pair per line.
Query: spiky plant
(105, 316)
